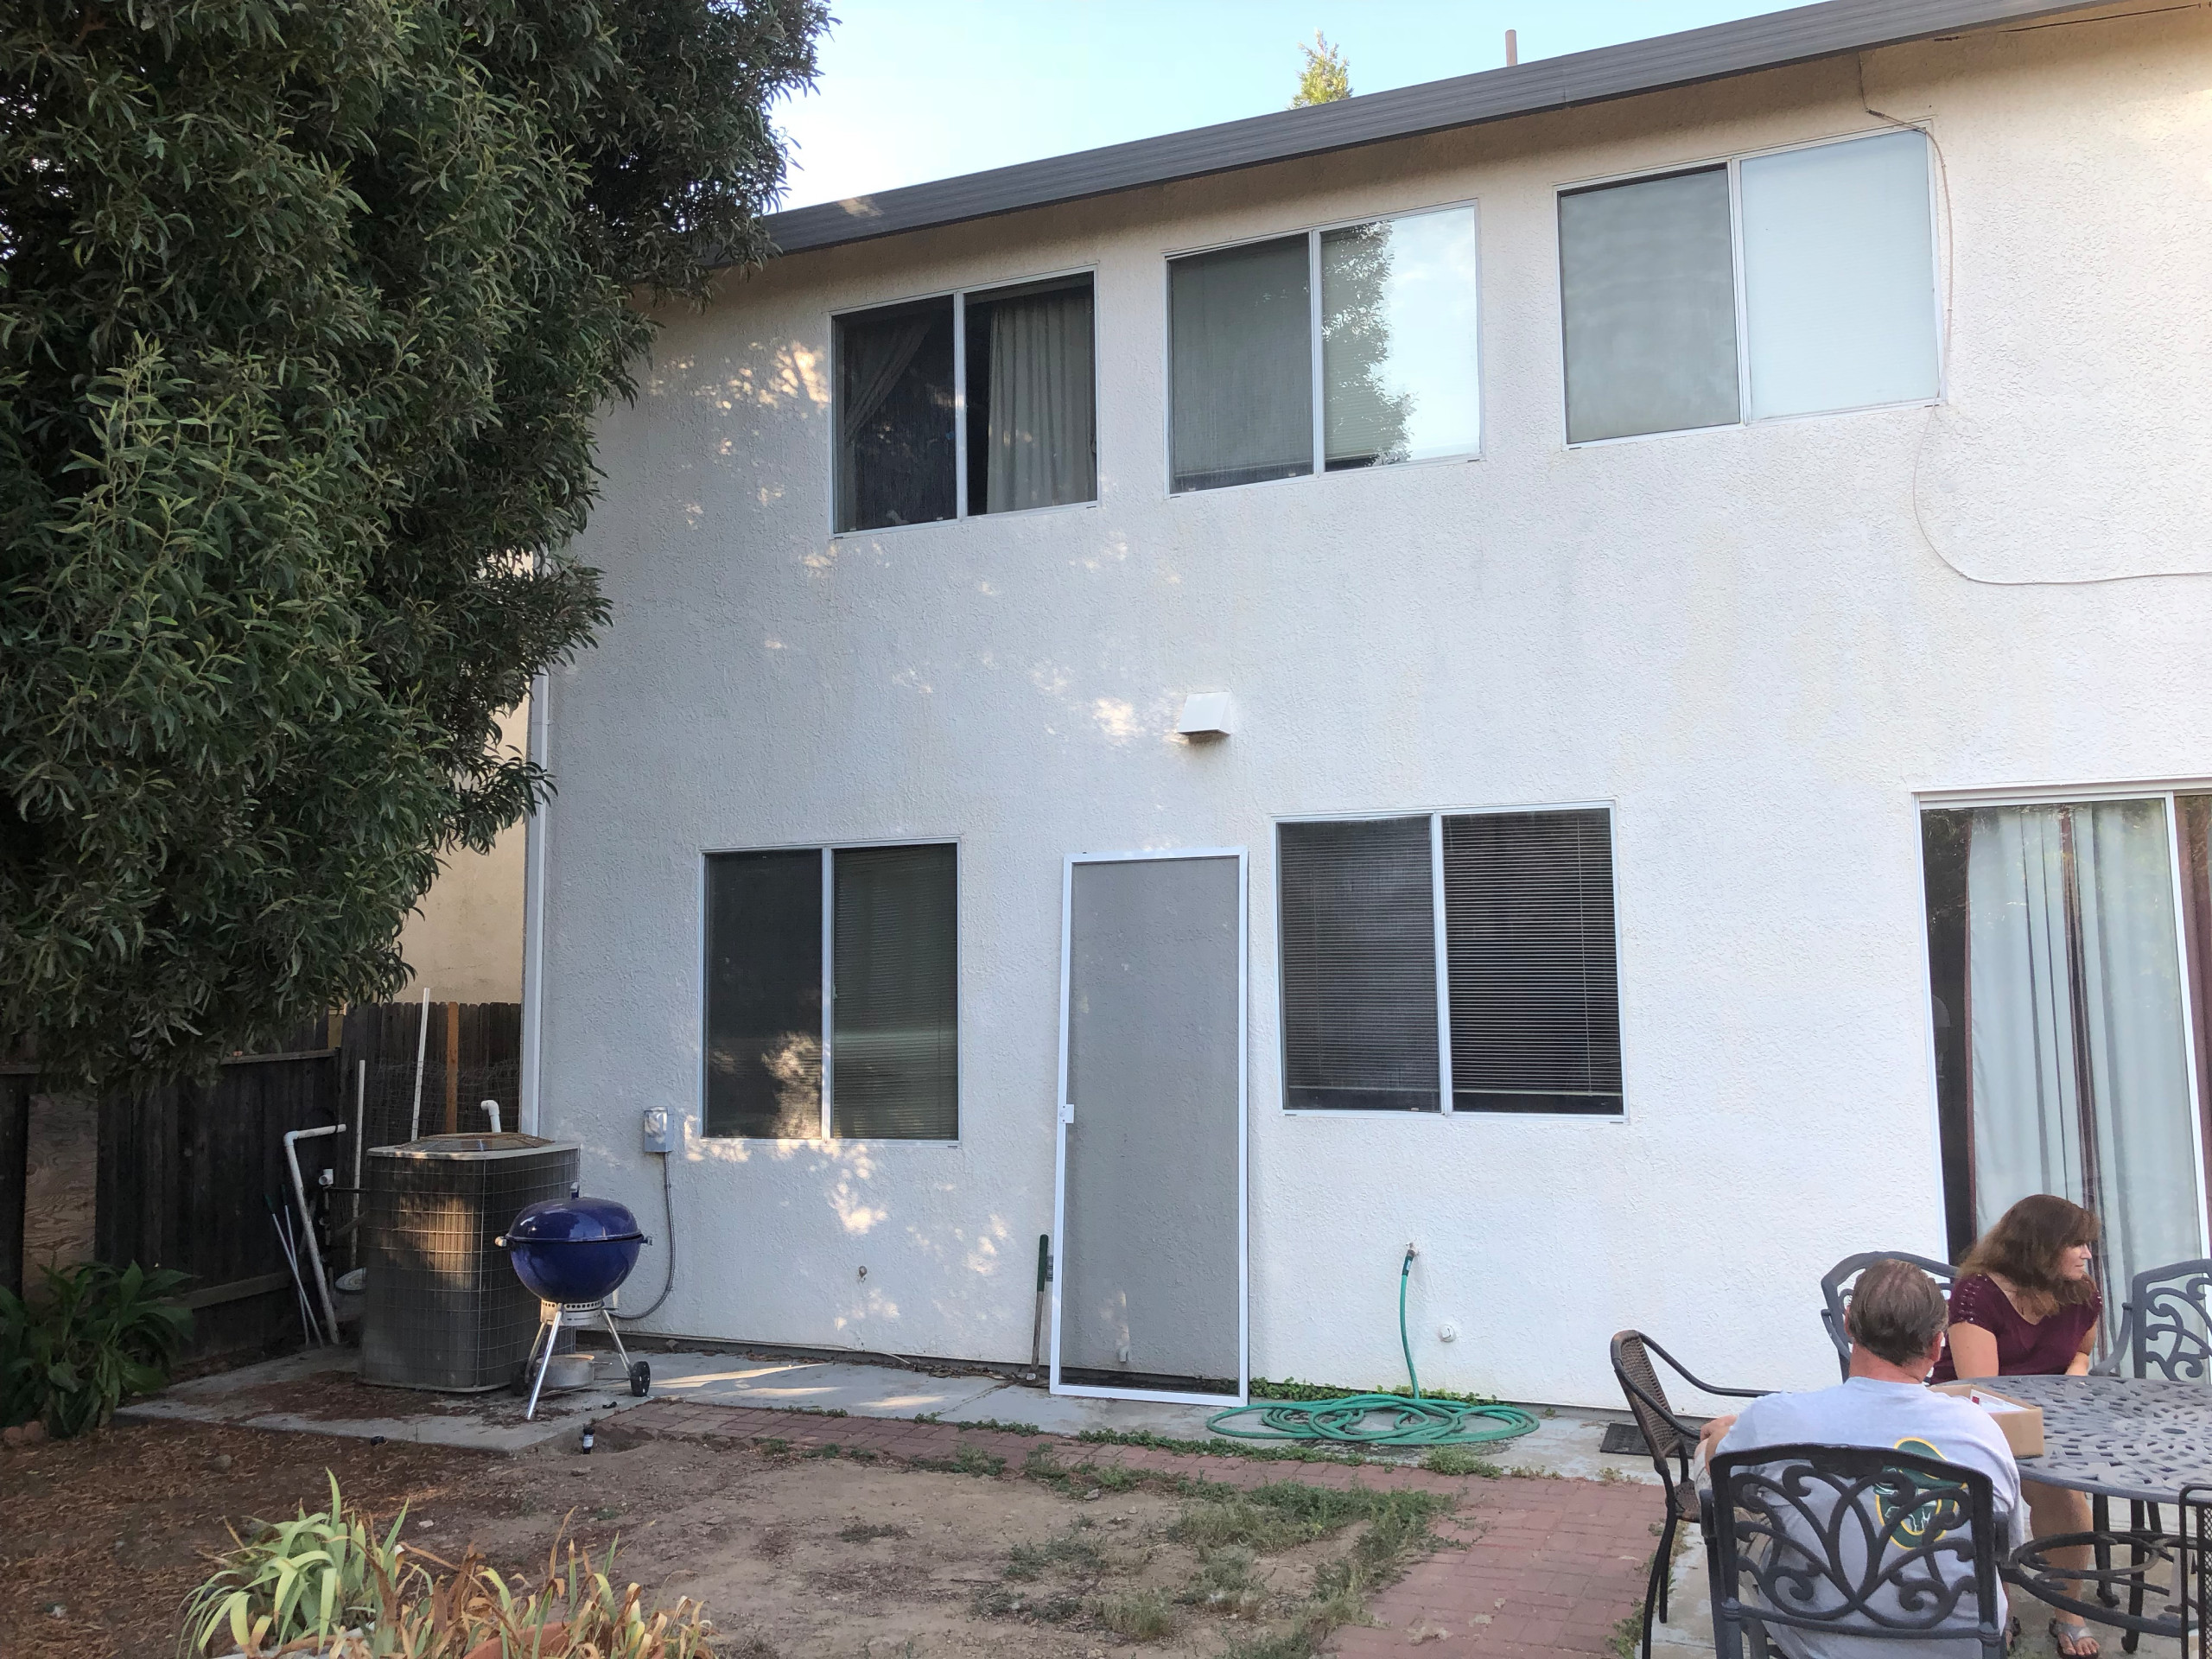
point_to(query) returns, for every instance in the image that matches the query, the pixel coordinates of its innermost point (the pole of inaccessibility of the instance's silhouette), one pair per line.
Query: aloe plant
(98, 1336)
(328, 1584)
(316, 1576)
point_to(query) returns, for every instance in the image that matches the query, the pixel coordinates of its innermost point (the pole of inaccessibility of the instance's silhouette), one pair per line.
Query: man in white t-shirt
(1896, 1323)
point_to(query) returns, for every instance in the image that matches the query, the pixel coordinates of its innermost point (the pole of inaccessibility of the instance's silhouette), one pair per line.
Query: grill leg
(620, 1352)
(552, 1332)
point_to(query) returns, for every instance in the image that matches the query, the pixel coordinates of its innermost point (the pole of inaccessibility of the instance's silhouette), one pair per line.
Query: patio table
(2136, 1439)
(2139, 1439)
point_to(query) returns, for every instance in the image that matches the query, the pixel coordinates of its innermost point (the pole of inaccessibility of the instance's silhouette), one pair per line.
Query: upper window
(1512, 911)
(1374, 324)
(837, 1020)
(975, 403)
(1835, 307)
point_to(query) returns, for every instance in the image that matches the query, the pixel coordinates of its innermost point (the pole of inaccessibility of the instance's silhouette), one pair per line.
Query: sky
(915, 90)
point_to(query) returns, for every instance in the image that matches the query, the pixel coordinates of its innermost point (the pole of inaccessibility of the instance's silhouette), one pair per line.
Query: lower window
(2067, 958)
(1512, 911)
(836, 1019)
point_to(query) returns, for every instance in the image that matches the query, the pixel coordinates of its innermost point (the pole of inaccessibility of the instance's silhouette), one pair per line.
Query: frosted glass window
(1839, 276)
(1398, 341)
(1648, 297)
(1241, 333)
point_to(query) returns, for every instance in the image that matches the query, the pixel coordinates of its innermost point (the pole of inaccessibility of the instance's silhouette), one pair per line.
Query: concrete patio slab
(316, 1392)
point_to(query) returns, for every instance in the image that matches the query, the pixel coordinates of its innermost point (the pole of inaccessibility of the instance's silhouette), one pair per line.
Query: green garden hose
(1396, 1420)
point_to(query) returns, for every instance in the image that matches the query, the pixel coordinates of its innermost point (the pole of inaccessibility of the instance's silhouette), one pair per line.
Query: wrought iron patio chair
(1851, 1540)
(1670, 1440)
(2165, 1330)
(1836, 1286)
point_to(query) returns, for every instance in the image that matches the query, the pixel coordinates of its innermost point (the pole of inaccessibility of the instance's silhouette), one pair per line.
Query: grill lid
(575, 1221)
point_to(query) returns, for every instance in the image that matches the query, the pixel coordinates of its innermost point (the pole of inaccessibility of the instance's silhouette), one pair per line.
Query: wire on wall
(1934, 409)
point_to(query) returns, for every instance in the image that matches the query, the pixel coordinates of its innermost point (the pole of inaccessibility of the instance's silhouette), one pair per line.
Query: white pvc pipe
(538, 739)
(491, 1109)
(421, 1043)
(300, 1192)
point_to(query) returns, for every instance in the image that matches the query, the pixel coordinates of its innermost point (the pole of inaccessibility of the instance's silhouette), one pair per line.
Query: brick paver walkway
(1547, 1567)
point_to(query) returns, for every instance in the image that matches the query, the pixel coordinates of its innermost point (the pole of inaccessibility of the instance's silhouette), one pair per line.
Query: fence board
(185, 1173)
(14, 1168)
(188, 1173)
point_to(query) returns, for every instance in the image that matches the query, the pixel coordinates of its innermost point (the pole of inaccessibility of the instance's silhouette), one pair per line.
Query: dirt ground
(796, 1557)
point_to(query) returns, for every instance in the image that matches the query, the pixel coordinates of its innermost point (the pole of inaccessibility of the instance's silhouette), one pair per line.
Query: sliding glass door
(2061, 939)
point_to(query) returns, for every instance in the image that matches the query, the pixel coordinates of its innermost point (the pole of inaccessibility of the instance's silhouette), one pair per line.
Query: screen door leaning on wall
(1148, 1290)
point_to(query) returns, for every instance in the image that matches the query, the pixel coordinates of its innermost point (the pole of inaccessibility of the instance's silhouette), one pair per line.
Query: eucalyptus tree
(305, 310)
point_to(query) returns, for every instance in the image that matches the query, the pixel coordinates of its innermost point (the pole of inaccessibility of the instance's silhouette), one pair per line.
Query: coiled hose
(1395, 1419)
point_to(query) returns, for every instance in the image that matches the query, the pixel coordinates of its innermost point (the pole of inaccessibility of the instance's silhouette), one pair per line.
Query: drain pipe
(307, 1222)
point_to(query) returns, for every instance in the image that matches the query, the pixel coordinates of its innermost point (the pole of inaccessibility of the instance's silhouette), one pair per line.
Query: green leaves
(315, 1576)
(96, 1336)
(305, 310)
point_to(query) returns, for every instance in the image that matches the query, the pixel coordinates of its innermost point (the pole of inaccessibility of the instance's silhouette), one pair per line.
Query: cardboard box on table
(2019, 1422)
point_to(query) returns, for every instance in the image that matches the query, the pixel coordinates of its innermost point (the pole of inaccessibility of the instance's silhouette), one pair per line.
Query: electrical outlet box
(660, 1129)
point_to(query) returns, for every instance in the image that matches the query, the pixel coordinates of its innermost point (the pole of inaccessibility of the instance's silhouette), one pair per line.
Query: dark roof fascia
(1667, 61)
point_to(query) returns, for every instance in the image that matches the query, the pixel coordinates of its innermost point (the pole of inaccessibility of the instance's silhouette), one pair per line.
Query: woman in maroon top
(2024, 1305)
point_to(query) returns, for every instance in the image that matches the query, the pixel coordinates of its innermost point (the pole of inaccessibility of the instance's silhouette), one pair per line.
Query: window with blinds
(1528, 932)
(1358, 913)
(885, 952)
(1518, 911)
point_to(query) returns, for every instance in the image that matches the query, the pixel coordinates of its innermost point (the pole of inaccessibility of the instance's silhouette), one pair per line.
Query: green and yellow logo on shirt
(1928, 1509)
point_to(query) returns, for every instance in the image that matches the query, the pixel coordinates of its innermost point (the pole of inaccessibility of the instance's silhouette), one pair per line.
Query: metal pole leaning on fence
(306, 1221)
(360, 1139)
(422, 1040)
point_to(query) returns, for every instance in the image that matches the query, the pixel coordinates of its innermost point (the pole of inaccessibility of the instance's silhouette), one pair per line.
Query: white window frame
(701, 903)
(960, 297)
(1939, 279)
(1445, 1109)
(1312, 233)
(1952, 800)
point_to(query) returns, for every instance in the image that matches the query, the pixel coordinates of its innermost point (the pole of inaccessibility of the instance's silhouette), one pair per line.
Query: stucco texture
(463, 941)
(1757, 643)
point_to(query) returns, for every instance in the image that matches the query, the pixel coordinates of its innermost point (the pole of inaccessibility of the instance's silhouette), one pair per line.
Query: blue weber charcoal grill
(573, 1254)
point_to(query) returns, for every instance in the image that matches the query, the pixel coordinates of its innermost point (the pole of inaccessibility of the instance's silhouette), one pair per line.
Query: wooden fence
(188, 1175)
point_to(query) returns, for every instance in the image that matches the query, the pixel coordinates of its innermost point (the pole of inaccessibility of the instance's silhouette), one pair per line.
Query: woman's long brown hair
(2025, 1246)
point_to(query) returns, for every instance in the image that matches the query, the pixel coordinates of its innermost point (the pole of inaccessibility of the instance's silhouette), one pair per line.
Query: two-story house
(1593, 667)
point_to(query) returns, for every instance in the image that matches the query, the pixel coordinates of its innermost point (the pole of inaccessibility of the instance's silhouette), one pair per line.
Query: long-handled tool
(1044, 1280)
(292, 1260)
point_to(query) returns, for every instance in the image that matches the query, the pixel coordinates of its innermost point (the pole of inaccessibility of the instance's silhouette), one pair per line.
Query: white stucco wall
(1757, 643)
(463, 940)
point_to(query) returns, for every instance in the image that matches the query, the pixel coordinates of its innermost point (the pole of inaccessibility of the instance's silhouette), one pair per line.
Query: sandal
(2074, 1641)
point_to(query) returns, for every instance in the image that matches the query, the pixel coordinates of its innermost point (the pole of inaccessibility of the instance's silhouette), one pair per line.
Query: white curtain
(2080, 1059)
(1039, 421)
